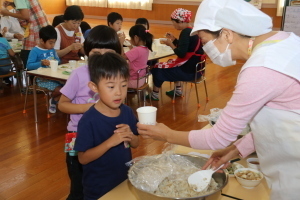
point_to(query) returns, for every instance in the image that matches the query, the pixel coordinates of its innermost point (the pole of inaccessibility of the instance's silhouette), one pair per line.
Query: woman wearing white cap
(267, 94)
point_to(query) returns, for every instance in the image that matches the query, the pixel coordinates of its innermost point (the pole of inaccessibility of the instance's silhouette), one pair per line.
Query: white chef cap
(236, 15)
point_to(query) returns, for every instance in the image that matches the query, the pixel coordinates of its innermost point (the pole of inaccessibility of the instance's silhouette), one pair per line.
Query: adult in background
(188, 50)
(267, 94)
(31, 17)
(70, 39)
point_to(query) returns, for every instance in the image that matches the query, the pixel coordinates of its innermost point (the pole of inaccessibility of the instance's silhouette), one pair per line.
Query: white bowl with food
(248, 178)
(253, 163)
(231, 169)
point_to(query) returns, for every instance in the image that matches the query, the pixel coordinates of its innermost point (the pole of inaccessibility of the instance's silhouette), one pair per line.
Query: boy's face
(112, 91)
(117, 25)
(49, 44)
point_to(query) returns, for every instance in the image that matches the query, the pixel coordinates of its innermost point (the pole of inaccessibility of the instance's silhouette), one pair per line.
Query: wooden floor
(32, 161)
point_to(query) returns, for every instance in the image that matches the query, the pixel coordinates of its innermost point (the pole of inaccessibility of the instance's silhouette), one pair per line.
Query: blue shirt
(4, 46)
(37, 54)
(109, 170)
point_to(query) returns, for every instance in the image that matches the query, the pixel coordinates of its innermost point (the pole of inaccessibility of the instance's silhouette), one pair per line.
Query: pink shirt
(138, 57)
(256, 87)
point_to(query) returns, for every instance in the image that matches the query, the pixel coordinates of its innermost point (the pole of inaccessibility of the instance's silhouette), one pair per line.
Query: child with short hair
(115, 20)
(5, 52)
(40, 56)
(107, 129)
(141, 39)
(77, 97)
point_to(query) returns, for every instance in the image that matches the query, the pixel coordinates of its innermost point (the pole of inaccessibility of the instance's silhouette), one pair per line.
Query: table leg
(34, 100)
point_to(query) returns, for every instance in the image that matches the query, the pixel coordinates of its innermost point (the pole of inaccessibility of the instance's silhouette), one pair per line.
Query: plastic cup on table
(54, 65)
(147, 115)
(72, 64)
(81, 63)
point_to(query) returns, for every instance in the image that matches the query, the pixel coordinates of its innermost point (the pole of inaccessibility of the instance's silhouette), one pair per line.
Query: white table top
(48, 73)
(159, 52)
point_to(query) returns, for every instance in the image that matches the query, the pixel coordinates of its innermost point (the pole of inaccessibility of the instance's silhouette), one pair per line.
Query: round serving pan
(220, 178)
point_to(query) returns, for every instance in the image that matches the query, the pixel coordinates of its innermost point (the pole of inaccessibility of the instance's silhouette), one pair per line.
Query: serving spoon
(200, 180)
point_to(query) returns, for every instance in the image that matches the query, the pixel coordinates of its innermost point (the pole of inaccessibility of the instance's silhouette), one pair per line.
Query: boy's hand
(45, 62)
(121, 37)
(123, 133)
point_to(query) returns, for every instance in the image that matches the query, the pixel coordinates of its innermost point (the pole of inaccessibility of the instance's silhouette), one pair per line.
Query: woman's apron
(180, 61)
(277, 132)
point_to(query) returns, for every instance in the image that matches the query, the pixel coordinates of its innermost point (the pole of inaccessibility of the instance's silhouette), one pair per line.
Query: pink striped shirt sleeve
(256, 87)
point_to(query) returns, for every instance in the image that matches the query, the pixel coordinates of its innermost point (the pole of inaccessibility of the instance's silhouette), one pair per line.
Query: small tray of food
(231, 169)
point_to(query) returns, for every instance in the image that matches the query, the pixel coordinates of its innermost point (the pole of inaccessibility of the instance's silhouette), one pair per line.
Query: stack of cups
(54, 65)
(147, 115)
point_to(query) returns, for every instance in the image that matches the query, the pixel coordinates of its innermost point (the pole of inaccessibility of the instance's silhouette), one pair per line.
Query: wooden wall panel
(160, 12)
(53, 7)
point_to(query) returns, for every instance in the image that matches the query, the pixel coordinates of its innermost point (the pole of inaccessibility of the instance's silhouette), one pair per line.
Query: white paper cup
(72, 64)
(147, 115)
(54, 65)
(14, 41)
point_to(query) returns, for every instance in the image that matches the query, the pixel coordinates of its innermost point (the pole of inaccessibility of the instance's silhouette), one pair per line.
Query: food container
(232, 168)
(253, 163)
(220, 178)
(249, 184)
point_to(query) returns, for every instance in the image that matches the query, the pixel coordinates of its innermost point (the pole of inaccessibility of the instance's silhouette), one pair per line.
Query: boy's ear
(109, 24)
(93, 87)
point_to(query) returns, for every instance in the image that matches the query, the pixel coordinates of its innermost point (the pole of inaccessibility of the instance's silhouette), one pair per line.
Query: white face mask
(223, 59)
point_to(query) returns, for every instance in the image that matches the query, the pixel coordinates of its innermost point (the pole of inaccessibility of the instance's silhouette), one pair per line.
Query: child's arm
(65, 105)
(33, 62)
(96, 152)
(11, 52)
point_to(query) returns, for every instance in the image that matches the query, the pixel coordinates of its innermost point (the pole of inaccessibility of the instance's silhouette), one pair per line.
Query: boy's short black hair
(73, 13)
(142, 21)
(48, 33)
(102, 37)
(109, 65)
(112, 17)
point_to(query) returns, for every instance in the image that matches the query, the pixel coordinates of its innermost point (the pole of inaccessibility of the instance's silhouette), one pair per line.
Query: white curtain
(280, 5)
(129, 4)
(91, 3)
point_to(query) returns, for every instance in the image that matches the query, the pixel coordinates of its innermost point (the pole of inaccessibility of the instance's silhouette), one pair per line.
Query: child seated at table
(5, 52)
(138, 55)
(115, 20)
(40, 56)
(107, 129)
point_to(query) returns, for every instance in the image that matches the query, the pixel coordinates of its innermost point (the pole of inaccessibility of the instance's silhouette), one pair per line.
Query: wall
(160, 12)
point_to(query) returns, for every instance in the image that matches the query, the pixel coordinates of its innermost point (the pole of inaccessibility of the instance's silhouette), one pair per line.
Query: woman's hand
(170, 36)
(75, 46)
(156, 132)
(222, 157)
